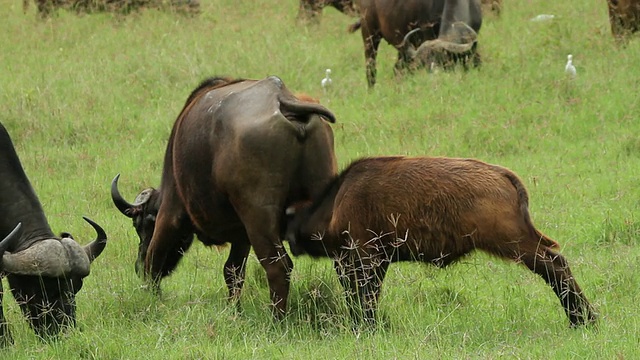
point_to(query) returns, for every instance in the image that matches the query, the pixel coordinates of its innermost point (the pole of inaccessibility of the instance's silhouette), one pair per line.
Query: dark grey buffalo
(392, 20)
(44, 271)
(240, 151)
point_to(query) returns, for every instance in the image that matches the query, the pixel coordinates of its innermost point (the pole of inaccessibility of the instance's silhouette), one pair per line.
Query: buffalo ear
(143, 197)
(66, 235)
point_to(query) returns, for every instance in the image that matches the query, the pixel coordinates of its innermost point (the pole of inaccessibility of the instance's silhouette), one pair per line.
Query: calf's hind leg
(553, 268)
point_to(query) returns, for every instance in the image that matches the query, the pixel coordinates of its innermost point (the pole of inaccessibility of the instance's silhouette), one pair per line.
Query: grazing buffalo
(44, 271)
(310, 10)
(393, 19)
(456, 44)
(433, 210)
(624, 16)
(239, 153)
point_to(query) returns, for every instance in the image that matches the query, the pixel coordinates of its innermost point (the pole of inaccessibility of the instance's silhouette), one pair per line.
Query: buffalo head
(46, 276)
(143, 212)
(458, 43)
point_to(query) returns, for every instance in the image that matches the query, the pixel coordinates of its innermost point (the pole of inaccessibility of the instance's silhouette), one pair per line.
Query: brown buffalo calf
(434, 210)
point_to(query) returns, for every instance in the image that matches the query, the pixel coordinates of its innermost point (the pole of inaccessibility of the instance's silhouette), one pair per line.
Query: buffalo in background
(239, 153)
(47, 7)
(310, 10)
(624, 16)
(432, 210)
(392, 20)
(44, 271)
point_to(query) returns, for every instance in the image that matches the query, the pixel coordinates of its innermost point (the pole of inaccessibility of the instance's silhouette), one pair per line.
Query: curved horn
(456, 48)
(95, 248)
(407, 45)
(122, 204)
(406, 38)
(459, 39)
(56, 258)
(296, 106)
(8, 240)
(44, 258)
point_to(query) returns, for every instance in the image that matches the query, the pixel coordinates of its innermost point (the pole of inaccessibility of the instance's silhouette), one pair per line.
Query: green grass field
(87, 97)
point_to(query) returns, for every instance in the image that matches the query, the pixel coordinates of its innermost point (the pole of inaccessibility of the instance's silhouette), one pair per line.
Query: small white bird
(543, 17)
(326, 82)
(569, 68)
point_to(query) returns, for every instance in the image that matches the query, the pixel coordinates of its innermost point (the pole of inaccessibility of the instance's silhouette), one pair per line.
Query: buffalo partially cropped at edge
(239, 153)
(433, 210)
(44, 271)
(392, 20)
(310, 10)
(624, 16)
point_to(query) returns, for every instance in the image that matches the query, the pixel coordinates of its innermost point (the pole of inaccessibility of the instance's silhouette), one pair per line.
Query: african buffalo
(44, 271)
(433, 210)
(240, 151)
(310, 10)
(393, 19)
(624, 16)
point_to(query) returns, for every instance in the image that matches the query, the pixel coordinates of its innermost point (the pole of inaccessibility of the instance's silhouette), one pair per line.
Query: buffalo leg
(278, 266)
(401, 64)
(361, 278)
(172, 236)
(370, 292)
(5, 334)
(371, 43)
(553, 268)
(234, 269)
(262, 230)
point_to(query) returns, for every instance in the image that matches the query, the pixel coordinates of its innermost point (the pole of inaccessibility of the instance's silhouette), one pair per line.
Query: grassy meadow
(87, 97)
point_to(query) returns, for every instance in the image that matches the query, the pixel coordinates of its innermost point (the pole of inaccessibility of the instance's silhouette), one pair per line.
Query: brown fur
(624, 16)
(435, 210)
(239, 153)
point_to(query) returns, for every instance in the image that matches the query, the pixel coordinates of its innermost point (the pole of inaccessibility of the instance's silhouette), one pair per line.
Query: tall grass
(86, 97)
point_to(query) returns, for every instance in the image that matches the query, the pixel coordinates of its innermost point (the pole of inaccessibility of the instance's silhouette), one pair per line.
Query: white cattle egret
(326, 82)
(543, 17)
(569, 68)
